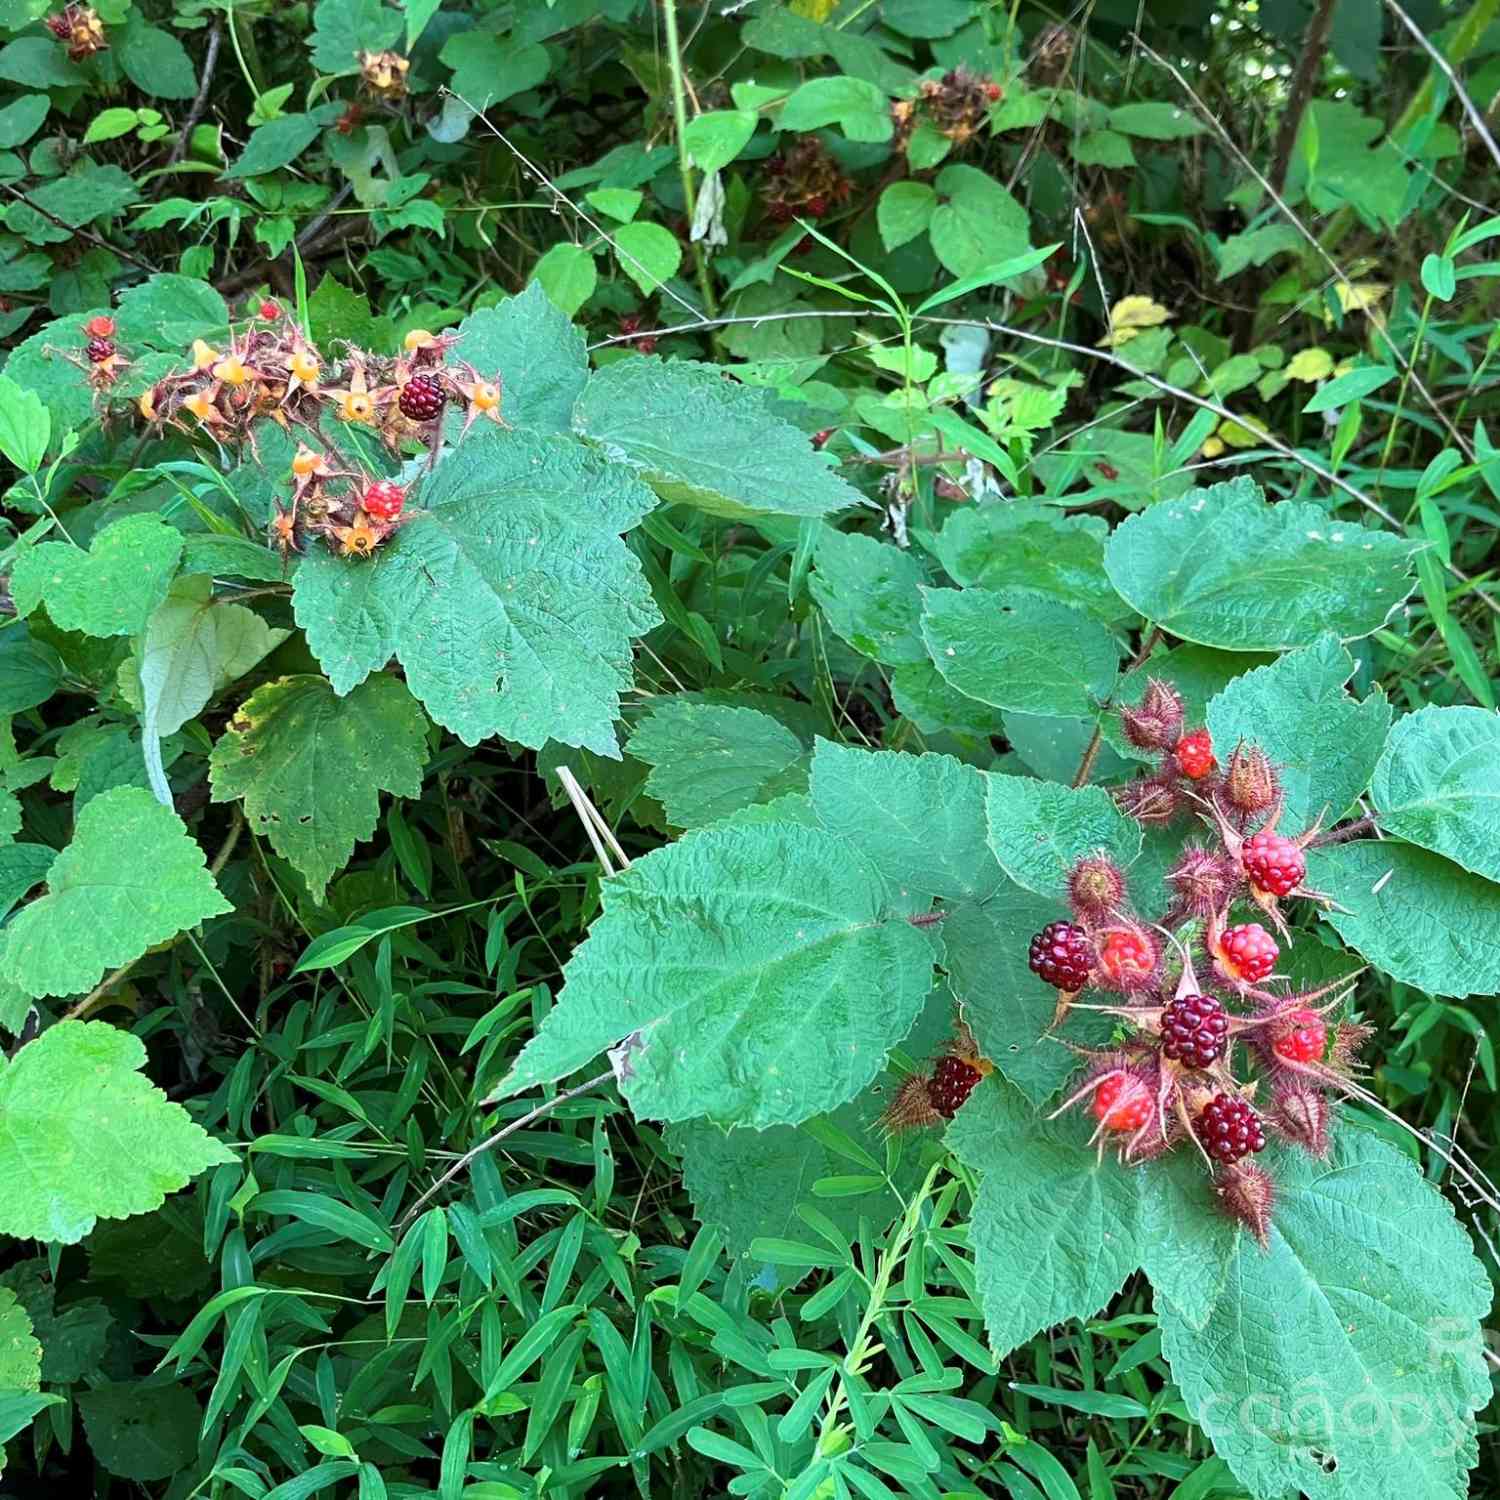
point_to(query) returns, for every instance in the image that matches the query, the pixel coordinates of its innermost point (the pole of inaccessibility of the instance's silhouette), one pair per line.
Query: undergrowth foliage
(747, 755)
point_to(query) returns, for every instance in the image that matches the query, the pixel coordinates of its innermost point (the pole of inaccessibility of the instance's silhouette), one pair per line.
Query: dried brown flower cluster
(803, 180)
(956, 105)
(80, 27)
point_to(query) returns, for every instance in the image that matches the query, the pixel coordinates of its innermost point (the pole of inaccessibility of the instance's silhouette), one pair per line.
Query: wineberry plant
(748, 752)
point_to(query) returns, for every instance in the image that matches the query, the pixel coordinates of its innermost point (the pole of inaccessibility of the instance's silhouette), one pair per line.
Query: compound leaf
(760, 965)
(109, 590)
(1055, 1230)
(1019, 650)
(1346, 1359)
(712, 442)
(510, 598)
(1438, 785)
(85, 1135)
(130, 878)
(1222, 567)
(1413, 914)
(708, 760)
(311, 766)
(1324, 742)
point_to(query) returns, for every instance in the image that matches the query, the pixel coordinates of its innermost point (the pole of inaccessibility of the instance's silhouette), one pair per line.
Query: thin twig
(105, 985)
(1442, 64)
(1314, 45)
(490, 1142)
(82, 233)
(210, 62)
(581, 807)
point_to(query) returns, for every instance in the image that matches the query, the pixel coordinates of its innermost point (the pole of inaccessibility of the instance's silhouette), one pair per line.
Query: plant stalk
(689, 191)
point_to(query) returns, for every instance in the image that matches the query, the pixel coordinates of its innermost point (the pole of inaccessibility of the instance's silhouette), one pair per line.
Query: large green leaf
(1019, 650)
(1345, 1360)
(311, 766)
(109, 590)
(1222, 567)
(130, 878)
(537, 353)
(510, 598)
(1027, 546)
(1413, 914)
(1438, 785)
(1055, 1231)
(977, 223)
(1324, 742)
(1039, 830)
(708, 760)
(867, 590)
(20, 1354)
(343, 28)
(761, 968)
(707, 440)
(919, 819)
(142, 1432)
(84, 1135)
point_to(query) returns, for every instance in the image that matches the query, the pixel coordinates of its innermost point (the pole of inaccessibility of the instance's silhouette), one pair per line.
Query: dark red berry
(421, 398)
(1195, 1030)
(820, 439)
(1305, 1037)
(817, 205)
(1195, 754)
(99, 350)
(1122, 1102)
(951, 1083)
(1273, 863)
(1248, 952)
(1127, 958)
(1062, 955)
(270, 309)
(383, 500)
(1230, 1129)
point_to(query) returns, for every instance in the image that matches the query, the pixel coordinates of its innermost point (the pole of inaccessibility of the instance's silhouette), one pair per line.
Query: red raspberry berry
(1195, 754)
(1195, 1030)
(817, 205)
(1127, 958)
(820, 439)
(992, 92)
(383, 500)
(1122, 1102)
(100, 326)
(1230, 1129)
(99, 350)
(1273, 863)
(421, 398)
(951, 1083)
(1305, 1040)
(269, 309)
(1248, 952)
(1062, 955)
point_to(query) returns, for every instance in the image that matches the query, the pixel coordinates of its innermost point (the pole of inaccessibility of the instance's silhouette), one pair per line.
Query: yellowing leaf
(1130, 316)
(1244, 433)
(814, 10)
(1310, 364)
(1213, 447)
(1362, 296)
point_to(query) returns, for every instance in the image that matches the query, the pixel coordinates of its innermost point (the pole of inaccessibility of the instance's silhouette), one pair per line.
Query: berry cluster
(1173, 1074)
(934, 1097)
(803, 180)
(270, 371)
(956, 105)
(81, 28)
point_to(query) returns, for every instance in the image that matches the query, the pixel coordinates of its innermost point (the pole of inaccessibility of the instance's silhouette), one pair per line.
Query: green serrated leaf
(510, 599)
(1438, 785)
(1222, 567)
(311, 766)
(1032, 547)
(1413, 914)
(1044, 1200)
(868, 592)
(708, 760)
(701, 438)
(1019, 650)
(760, 969)
(84, 1135)
(109, 590)
(1039, 830)
(1345, 1359)
(537, 354)
(131, 877)
(20, 1353)
(1323, 741)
